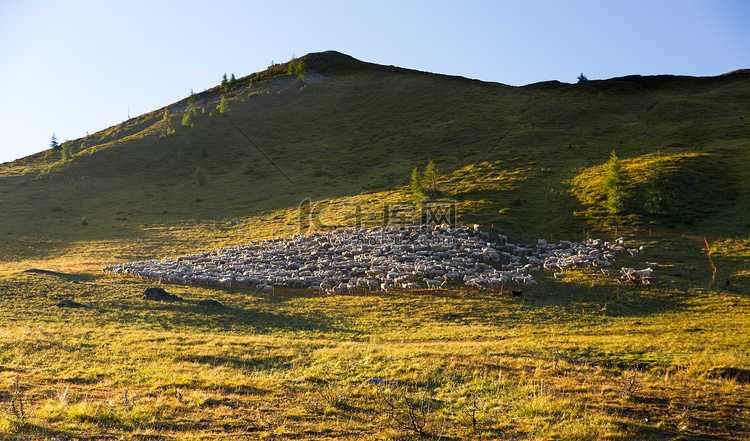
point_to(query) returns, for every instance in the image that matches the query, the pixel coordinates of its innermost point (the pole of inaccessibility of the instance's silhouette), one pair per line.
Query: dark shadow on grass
(649, 432)
(596, 359)
(561, 302)
(27, 431)
(189, 314)
(250, 363)
(67, 277)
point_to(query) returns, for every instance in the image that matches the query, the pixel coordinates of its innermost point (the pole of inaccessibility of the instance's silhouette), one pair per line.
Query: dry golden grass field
(585, 358)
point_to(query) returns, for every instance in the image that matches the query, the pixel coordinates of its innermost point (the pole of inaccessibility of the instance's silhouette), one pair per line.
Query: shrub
(15, 405)
(187, 118)
(630, 384)
(299, 83)
(410, 412)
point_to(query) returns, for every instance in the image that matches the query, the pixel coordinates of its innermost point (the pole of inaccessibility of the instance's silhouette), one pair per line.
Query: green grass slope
(583, 358)
(327, 126)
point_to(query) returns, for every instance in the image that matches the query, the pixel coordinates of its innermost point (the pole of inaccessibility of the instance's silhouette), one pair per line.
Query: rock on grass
(159, 294)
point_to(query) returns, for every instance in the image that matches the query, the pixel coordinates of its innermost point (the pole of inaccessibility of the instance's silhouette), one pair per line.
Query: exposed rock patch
(160, 294)
(67, 303)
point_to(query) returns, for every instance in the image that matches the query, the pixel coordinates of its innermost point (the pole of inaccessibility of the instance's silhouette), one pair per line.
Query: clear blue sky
(75, 66)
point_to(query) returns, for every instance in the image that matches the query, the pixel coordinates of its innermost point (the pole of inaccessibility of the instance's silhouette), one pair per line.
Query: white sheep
(434, 283)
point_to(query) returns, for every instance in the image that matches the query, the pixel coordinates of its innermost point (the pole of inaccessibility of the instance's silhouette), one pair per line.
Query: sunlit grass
(555, 364)
(583, 358)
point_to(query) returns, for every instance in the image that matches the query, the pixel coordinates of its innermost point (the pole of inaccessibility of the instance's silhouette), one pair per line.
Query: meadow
(585, 358)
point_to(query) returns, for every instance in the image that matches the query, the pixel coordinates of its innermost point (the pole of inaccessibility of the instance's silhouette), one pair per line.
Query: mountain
(528, 160)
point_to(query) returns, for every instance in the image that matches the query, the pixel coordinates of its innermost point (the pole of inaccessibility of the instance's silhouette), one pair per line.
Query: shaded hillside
(326, 126)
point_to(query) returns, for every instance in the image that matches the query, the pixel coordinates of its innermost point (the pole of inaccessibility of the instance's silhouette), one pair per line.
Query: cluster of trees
(226, 84)
(66, 148)
(424, 185)
(296, 67)
(223, 107)
(656, 197)
(190, 110)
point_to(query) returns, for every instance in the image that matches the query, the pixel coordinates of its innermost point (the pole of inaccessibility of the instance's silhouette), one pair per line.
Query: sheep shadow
(234, 314)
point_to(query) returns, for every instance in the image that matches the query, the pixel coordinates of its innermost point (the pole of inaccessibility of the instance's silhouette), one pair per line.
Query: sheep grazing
(637, 277)
(637, 273)
(384, 258)
(434, 284)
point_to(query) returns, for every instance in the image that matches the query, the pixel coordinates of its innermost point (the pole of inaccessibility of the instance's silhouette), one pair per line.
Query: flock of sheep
(379, 258)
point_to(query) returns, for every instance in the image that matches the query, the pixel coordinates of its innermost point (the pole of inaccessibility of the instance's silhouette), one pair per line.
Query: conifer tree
(416, 183)
(67, 151)
(224, 83)
(223, 105)
(187, 117)
(431, 173)
(659, 193)
(614, 185)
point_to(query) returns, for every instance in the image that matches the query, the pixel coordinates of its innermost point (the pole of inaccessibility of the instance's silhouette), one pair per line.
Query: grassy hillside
(509, 154)
(582, 358)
